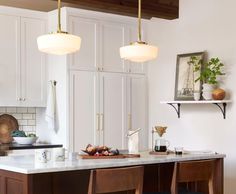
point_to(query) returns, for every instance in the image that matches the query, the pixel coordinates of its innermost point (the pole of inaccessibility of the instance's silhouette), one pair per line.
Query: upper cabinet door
(84, 114)
(9, 60)
(88, 30)
(112, 109)
(113, 37)
(139, 68)
(137, 107)
(33, 63)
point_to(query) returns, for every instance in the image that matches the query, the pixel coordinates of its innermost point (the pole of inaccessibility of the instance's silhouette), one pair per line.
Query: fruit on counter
(31, 135)
(91, 150)
(18, 133)
(100, 151)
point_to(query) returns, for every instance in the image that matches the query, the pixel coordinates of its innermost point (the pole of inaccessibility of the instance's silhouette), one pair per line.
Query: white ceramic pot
(207, 91)
(197, 96)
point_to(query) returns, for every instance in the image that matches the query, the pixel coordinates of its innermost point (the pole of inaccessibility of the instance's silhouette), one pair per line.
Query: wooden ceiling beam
(168, 9)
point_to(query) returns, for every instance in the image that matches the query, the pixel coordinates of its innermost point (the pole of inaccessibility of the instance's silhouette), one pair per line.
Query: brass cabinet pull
(102, 122)
(98, 122)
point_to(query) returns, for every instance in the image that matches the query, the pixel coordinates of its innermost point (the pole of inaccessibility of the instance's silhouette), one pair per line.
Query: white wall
(203, 25)
(57, 70)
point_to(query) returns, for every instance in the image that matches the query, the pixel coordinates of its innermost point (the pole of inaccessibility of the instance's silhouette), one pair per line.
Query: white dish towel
(50, 115)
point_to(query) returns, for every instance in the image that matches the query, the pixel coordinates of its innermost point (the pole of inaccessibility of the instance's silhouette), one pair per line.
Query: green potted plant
(210, 71)
(196, 62)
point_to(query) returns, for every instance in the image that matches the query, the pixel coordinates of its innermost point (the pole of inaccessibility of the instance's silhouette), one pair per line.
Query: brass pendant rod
(59, 16)
(139, 21)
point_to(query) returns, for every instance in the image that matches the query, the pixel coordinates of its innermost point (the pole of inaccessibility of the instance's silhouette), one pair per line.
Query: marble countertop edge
(26, 164)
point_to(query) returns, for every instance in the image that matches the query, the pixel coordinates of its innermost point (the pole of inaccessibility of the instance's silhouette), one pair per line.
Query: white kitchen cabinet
(22, 66)
(113, 36)
(112, 109)
(84, 113)
(101, 42)
(97, 109)
(88, 56)
(9, 60)
(33, 64)
(137, 107)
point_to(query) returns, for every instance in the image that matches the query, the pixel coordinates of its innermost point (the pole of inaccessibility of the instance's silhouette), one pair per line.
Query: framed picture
(185, 84)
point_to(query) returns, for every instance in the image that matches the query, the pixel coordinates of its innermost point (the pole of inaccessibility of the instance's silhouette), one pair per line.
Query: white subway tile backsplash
(26, 117)
(11, 109)
(31, 110)
(22, 122)
(17, 115)
(3, 110)
(28, 128)
(31, 122)
(21, 110)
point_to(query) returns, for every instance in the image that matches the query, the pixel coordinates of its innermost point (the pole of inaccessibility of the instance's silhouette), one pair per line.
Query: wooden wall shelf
(221, 104)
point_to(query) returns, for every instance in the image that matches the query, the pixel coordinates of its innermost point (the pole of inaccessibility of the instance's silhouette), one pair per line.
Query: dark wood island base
(157, 177)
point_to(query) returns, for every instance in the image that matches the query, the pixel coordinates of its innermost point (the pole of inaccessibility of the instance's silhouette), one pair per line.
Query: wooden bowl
(8, 124)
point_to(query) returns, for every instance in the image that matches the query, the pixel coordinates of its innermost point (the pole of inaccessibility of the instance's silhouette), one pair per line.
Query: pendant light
(59, 42)
(138, 51)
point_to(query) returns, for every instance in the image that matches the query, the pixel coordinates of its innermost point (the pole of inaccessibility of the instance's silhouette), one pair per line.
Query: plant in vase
(196, 62)
(211, 70)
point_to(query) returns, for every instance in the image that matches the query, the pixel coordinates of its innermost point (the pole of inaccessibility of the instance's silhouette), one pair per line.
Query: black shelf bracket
(220, 105)
(177, 108)
(222, 108)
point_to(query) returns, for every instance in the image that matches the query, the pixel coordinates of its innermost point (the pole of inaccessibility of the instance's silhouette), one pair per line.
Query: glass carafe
(161, 145)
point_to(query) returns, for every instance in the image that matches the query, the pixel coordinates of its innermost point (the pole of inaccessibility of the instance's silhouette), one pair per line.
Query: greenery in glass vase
(210, 70)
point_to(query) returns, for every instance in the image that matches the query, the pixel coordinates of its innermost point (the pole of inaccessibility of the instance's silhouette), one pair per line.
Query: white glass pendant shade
(138, 52)
(59, 43)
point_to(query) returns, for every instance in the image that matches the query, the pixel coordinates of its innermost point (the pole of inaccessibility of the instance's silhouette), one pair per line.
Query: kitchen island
(21, 175)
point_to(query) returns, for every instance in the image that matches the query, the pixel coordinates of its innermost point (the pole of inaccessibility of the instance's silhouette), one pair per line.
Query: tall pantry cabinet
(104, 94)
(98, 108)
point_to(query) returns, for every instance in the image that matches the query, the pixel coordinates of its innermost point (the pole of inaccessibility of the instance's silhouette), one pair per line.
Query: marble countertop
(26, 164)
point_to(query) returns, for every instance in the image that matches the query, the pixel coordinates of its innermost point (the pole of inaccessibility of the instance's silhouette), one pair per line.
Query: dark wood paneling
(168, 9)
(14, 186)
(72, 182)
(157, 177)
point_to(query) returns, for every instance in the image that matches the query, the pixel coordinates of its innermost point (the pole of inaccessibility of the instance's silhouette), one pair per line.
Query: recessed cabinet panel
(83, 109)
(14, 186)
(112, 108)
(112, 38)
(33, 63)
(9, 60)
(137, 108)
(87, 30)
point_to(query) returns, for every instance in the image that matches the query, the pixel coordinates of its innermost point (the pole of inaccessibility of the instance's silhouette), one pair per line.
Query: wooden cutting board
(8, 123)
(120, 156)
